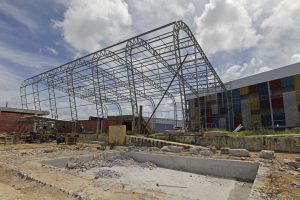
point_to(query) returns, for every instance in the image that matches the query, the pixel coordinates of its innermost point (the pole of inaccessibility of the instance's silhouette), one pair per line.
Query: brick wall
(9, 123)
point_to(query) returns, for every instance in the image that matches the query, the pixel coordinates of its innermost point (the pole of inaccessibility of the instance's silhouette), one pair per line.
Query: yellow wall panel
(254, 103)
(244, 90)
(256, 120)
(297, 81)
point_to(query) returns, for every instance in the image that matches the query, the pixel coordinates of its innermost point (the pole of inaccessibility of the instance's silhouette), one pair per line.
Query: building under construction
(267, 100)
(152, 82)
(157, 68)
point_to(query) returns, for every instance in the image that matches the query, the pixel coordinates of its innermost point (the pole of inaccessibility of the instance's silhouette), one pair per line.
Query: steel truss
(133, 71)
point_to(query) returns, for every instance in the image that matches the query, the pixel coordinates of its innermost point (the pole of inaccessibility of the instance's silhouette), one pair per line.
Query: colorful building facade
(267, 100)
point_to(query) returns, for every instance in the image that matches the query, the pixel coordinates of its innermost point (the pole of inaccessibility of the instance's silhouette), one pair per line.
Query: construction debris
(225, 150)
(106, 173)
(206, 152)
(239, 152)
(107, 161)
(174, 149)
(212, 149)
(195, 150)
(266, 154)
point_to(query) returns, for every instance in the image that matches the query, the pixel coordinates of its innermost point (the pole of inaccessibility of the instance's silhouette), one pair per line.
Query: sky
(239, 37)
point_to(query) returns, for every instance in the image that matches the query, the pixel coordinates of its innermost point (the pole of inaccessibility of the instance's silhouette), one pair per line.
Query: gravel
(107, 161)
(106, 173)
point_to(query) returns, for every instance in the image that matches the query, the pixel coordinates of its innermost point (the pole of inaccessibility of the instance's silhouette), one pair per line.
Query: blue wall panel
(287, 81)
(163, 127)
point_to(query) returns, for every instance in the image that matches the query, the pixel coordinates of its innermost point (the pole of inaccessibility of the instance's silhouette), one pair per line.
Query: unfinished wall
(9, 123)
(285, 143)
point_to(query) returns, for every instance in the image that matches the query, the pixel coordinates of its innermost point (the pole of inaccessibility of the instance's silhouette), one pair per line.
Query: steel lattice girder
(133, 70)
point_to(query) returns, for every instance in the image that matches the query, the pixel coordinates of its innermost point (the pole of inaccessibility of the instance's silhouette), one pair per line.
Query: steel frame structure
(137, 69)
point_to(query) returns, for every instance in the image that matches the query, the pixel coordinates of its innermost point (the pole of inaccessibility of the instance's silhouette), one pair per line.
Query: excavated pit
(179, 177)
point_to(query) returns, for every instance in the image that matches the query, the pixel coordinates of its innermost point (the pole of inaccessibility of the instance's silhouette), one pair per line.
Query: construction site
(150, 118)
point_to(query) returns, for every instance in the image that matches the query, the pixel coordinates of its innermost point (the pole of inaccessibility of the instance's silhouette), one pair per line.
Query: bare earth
(21, 177)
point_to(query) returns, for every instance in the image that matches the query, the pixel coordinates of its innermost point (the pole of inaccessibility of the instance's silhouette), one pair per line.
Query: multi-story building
(270, 99)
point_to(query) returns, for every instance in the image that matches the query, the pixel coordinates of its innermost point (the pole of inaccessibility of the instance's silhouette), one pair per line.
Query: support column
(52, 100)
(131, 84)
(23, 96)
(140, 125)
(72, 99)
(36, 96)
(97, 94)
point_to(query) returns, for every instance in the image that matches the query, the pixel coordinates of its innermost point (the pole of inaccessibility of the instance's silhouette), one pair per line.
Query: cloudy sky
(240, 37)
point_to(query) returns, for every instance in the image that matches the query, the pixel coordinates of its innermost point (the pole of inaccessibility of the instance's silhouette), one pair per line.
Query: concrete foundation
(232, 169)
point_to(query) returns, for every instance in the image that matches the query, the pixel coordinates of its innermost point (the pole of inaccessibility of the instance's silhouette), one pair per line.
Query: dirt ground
(21, 177)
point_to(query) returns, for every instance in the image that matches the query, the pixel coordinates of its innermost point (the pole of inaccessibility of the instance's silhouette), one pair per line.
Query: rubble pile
(106, 173)
(107, 161)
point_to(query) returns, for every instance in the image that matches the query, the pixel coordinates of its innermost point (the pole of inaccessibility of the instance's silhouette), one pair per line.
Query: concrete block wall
(283, 143)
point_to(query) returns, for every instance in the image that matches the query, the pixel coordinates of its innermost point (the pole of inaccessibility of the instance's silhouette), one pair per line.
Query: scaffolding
(133, 72)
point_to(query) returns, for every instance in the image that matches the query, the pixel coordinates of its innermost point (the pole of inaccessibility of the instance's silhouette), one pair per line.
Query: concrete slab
(177, 184)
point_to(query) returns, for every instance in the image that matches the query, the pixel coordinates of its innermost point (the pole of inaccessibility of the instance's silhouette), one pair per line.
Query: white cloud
(225, 25)
(9, 87)
(25, 58)
(295, 58)
(148, 14)
(281, 33)
(91, 25)
(234, 72)
(19, 15)
(49, 49)
(88, 25)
